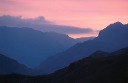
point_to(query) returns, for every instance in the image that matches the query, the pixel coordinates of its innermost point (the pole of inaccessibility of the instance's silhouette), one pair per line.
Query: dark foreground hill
(112, 38)
(100, 67)
(10, 66)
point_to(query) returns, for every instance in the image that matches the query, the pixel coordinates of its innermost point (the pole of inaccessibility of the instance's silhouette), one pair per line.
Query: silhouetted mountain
(114, 32)
(99, 54)
(113, 37)
(122, 51)
(9, 66)
(30, 46)
(107, 69)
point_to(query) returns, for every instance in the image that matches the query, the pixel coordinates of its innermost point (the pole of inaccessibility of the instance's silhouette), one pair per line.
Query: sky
(84, 14)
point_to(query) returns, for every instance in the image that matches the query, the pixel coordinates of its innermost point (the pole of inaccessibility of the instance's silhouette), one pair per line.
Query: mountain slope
(30, 46)
(9, 66)
(113, 37)
(112, 68)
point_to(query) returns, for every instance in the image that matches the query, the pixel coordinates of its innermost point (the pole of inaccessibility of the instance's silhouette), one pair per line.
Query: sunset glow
(94, 14)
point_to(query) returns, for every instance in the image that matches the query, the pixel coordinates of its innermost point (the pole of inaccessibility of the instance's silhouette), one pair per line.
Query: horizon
(87, 15)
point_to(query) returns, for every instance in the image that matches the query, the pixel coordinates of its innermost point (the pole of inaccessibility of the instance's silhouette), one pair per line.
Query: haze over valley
(63, 41)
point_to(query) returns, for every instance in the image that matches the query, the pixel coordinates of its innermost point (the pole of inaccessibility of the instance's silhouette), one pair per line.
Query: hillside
(112, 38)
(112, 68)
(29, 46)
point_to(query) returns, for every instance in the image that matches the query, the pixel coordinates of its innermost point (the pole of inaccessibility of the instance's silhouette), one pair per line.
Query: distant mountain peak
(114, 31)
(118, 23)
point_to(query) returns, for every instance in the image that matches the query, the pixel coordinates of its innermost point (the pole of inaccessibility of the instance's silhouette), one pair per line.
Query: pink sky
(94, 14)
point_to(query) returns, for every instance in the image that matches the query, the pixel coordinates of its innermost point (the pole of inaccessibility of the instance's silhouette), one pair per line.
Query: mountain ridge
(24, 43)
(108, 42)
(110, 69)
(10, 66)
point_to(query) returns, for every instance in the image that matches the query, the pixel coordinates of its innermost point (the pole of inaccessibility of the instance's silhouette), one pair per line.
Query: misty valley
(33, 56)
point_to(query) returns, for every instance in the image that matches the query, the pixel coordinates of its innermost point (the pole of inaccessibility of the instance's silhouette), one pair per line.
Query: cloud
(40, 23)
(7, 19)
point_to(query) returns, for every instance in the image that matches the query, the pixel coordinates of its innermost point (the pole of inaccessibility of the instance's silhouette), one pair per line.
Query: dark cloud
(7, 19)
(41, 24)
